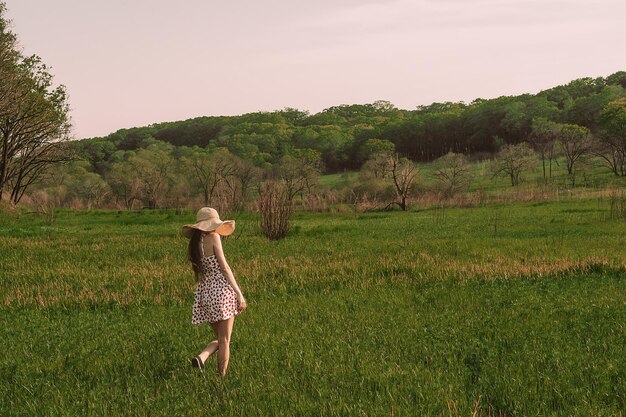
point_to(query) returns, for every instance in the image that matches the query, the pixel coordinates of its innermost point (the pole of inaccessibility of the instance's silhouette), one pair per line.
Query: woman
(218, 298)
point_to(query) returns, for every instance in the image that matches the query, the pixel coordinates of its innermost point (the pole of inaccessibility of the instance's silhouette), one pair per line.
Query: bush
(275, 208)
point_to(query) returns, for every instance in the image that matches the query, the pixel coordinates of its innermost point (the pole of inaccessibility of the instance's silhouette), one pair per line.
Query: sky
(132, 63)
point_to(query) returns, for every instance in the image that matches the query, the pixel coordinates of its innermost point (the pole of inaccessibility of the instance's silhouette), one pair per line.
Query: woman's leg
(224, 329)
(208, 350)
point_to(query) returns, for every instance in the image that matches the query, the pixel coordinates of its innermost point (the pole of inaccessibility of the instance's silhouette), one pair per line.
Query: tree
(374, 146)
(403, 172)
(586, 110)
(86, 188)
(91, 189)
(543, 137)
(512, 161)
(332, 142)
(34, 117)
(299, 172)
(378, 166)
(125, 185)
(98, 152)
(610, 144)
(453, 173)
(223, 178)
(153, 168)
(398, 173)
(241, 181)
(618, 78)
(374, 179)
(517, 123)
(144, 175)
(207, 169)
(574, 142)
(293, 115)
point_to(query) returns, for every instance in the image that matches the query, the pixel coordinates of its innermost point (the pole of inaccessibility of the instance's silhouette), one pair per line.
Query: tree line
(132, 168)
(227, 156)
(340, 134)
(162, 175)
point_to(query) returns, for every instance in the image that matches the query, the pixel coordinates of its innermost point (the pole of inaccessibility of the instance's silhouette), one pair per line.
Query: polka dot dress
(214, 299)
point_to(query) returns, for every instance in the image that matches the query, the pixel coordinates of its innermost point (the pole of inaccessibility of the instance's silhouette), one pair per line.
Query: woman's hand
(241, 302)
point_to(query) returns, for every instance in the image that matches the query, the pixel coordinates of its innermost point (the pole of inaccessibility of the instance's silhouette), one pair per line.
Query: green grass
(338, 180)
(520, 307)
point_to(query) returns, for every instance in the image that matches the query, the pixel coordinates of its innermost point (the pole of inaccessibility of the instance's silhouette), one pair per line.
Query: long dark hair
(194, 253)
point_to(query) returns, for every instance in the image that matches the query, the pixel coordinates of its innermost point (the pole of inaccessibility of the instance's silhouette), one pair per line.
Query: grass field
(518, 308)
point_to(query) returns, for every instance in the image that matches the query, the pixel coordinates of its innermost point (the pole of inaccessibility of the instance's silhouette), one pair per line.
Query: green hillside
(340, 133)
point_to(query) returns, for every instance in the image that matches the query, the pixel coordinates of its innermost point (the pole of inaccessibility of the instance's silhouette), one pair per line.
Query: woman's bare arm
(221, 260)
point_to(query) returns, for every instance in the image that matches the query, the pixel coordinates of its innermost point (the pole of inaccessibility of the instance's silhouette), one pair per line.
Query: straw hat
(208, 220)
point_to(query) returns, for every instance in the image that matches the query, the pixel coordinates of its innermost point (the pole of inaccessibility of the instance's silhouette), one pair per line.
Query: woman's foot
(197, 363)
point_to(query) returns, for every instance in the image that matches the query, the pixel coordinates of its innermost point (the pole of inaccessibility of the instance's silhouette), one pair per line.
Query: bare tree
(388, 168)
(206, 170)
(453, 173)
(403, 174)
(512, 161)
(611, 151)
(241, 181)
(201, 173)
(575, 143)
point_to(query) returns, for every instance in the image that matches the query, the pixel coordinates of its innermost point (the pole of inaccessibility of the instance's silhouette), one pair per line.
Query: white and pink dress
(214, 299)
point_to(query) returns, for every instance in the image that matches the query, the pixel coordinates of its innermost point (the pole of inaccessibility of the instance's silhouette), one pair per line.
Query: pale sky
(136, 62)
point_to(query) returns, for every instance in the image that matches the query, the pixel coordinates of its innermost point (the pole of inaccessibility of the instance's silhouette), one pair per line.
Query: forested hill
(341, 134)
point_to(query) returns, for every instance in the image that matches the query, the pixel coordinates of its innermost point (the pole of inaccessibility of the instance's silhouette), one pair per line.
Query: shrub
(275, 208)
